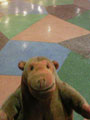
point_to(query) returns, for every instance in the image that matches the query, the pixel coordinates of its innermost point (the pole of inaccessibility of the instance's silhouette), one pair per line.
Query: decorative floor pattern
(12, 25)
(51, 29)
(80, 45)
(65, 11)
(1, 15)
(51, 2)
(82, 20)
(83, 3)
(5, 88)
(22, 7)
(3, 40)
(19, 50)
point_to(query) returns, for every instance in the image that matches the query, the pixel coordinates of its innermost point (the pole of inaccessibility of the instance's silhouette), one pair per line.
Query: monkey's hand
(86, 111)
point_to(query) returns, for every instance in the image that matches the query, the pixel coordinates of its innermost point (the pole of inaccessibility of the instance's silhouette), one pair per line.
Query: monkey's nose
(41, 83)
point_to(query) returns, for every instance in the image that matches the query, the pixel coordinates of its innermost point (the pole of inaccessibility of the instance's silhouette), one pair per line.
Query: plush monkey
(42, 95)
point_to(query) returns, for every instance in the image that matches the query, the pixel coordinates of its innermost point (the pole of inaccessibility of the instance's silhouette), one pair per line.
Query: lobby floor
(57, 29)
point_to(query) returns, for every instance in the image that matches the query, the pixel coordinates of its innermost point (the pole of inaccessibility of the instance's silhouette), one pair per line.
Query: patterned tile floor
(80, 45)
(21, 50)
(14, 83)
(83, 3)
(3, 40)
(65, 11)
(1, 15)
(51, 29)
(51, 2)
(57, 29)
(11, 25)
(21, 7)
(82, 20)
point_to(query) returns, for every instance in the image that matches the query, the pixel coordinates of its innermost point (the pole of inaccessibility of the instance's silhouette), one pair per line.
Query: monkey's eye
(48, 66)
(32, 67)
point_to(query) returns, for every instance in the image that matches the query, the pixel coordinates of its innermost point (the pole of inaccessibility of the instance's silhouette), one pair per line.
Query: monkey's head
(39, 75)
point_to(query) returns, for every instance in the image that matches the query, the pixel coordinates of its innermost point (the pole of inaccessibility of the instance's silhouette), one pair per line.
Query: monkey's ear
(56, 64)
(21, 65)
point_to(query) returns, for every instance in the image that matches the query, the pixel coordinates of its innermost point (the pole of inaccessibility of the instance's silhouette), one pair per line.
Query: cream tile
(8, 85)
(51, 29)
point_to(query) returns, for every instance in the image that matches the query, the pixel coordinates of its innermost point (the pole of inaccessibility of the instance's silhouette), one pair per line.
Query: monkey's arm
(74, 100)
(11, 107)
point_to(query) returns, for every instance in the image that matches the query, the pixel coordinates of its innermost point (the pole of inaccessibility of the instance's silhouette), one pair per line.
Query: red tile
(8, 84)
